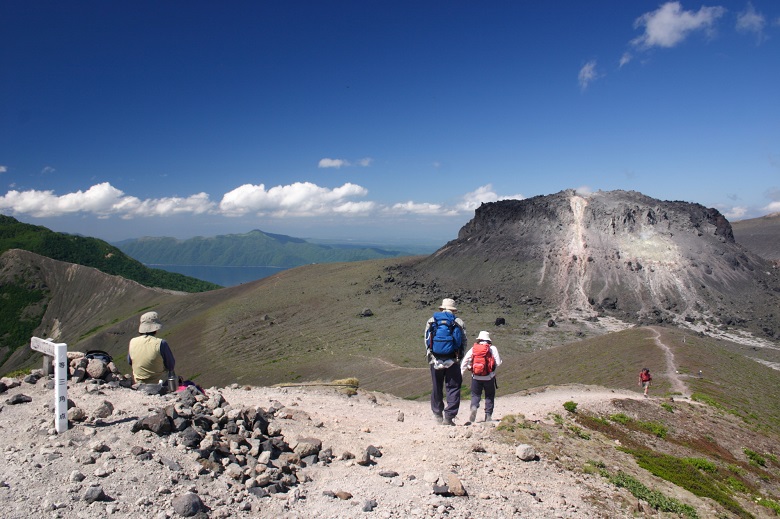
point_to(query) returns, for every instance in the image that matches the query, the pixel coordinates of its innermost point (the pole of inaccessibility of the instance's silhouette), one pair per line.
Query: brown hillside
(760, 235)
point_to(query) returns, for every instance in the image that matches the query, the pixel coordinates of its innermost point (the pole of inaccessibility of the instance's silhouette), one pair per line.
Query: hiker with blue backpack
(482, 360)
(445, 336)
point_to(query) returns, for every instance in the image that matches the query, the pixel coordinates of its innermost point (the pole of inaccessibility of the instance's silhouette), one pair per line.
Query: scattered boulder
(455, 486)
(500, 321)
(94, 493)
(76, 414)
(307, 447)
(525, 452)
(19, 398)
(104, 410)
(188, 505)
(96, 368)
(159, 423)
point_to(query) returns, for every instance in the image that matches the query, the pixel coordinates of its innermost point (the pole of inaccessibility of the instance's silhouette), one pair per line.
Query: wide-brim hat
(483, 336)
(149, 323)
(448, 304)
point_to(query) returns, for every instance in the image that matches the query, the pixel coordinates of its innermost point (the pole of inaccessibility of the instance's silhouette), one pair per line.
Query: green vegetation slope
(91, 252)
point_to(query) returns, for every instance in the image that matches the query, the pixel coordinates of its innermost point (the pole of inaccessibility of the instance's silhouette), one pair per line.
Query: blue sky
(380, 121)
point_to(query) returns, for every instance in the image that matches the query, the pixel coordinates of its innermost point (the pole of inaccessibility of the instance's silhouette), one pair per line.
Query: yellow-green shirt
(146, 359)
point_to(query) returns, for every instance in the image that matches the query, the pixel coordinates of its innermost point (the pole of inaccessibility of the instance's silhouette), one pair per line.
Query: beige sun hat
(149, 323)
(483, 336)
(448, 304)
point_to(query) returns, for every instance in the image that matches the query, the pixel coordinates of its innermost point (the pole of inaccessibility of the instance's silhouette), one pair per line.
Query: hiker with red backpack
(444, 338)
(482, 360)
(645, 379)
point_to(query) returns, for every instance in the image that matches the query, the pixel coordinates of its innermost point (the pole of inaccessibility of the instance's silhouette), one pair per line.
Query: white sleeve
(427, 331)
(464, 364)
(496, 356)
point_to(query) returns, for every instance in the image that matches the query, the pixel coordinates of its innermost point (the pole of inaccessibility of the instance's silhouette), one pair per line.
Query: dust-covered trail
(678, 386)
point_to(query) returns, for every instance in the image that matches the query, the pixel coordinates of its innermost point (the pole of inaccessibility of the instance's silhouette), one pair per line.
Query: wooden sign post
(59, 351)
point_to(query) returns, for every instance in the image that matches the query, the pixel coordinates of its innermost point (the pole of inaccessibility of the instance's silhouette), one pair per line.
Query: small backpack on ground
(444, 334)
(482, 361)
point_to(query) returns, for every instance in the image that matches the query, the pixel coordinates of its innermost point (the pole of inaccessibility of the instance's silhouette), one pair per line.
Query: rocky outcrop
(619, 253)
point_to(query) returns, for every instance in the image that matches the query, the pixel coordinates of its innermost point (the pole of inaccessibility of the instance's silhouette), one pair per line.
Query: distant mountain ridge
(251, 249)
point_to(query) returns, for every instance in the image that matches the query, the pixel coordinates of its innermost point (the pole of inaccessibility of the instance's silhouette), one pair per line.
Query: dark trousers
(489, 386)
(450, 380)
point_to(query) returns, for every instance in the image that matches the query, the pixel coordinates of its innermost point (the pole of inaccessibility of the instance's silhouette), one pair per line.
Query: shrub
(579, 432)
(570, 406)
(736, 469)
(654, 498)
(770, 503)
(701, 464)
(736, 484)
(754, 457)
(687, 475)
(620, 418)
(655, 428)
(705, 399)
(668, 407)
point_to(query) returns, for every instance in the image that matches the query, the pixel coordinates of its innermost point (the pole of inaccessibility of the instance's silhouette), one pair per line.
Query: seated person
(150, 357)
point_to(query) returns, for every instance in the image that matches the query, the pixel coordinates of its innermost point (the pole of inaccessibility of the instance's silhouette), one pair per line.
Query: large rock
(96, 368)
(104, 410)
(525, 452)
(159, 423)
(307, 447)
(188, 505)
(19, 398)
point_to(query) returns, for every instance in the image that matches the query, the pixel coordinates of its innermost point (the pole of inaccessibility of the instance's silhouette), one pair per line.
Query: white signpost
(60, 353)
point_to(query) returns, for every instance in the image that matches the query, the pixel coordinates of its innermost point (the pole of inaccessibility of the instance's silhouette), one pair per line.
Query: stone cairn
(244, 445)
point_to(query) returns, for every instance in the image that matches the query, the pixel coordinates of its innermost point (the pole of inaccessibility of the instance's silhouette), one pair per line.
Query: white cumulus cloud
(735, 213)
(670, 24)
(297, 199)
(483, 194)
(3, 169)
(332, 163)
(419, 208)
(102, 200)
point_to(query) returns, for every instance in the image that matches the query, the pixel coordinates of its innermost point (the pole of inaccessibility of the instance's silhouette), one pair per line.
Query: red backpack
(482, 361)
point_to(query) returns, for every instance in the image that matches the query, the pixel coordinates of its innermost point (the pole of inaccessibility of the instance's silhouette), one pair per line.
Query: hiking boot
(447, 421)
(473, 415)
(437, 417)
(488, 417)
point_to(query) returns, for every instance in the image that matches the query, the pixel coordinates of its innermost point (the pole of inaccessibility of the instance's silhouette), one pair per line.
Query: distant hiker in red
(645, 379)
(482, 360)
(444, 338)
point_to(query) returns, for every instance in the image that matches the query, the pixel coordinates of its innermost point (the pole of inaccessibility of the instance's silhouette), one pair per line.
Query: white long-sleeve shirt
(466, 362)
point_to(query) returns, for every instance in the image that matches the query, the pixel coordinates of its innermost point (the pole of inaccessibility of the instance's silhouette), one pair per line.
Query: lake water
(225, 276)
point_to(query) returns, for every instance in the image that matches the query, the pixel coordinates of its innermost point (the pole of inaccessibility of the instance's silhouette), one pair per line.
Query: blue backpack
(445, 335)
